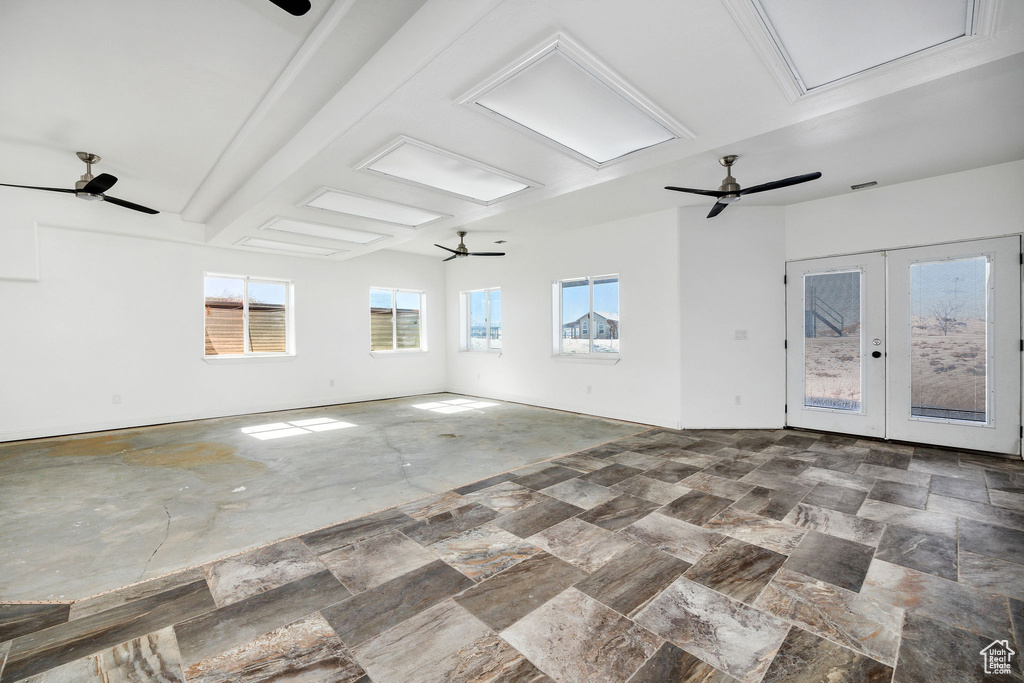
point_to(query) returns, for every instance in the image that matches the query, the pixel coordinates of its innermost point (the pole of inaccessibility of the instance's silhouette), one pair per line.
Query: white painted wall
(643, 386)
(124, 315)
(730, 278)
(984, 202)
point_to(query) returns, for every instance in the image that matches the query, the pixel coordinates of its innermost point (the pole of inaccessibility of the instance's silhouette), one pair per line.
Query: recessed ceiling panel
(423, 164)
(827, 41)
(274, 245)
(374, 209)
(330, 232)
(563, 101)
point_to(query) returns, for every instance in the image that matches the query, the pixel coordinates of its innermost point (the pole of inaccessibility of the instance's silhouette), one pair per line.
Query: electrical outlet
(116, 400)
(590, 389)
(332, 382)
(739, 399)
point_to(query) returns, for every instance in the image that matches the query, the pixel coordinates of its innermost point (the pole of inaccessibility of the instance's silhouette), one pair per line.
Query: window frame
(422, 294)
(587, 325)
(467, 320)
(289, 318)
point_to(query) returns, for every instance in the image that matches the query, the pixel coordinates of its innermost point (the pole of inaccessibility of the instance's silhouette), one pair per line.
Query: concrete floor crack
(402, 459)
(167, 533)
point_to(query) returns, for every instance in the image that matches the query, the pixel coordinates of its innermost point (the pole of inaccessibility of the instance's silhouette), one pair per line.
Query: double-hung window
(587, 315)
(396, 320)
(248, 316)
(482, 316)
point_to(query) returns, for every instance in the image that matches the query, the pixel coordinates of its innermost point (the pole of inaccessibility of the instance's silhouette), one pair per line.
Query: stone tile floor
(667, 556)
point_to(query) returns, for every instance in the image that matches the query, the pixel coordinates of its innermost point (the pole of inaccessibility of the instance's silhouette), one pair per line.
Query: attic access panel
(824, 42)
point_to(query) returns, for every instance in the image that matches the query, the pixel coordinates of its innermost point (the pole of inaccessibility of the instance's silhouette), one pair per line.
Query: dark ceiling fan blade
(709, 193)
(33, 187)
(449, 258)
(718, 208)
(486, 253)
(294, 7)
(128, 205)
(99, 184)
(785, 182)
(446, 248)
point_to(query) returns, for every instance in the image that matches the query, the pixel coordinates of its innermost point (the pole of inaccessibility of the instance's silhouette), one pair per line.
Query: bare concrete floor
(85, 514)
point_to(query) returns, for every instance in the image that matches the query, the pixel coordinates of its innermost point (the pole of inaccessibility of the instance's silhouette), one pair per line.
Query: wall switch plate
(116, 399)
(740, 335)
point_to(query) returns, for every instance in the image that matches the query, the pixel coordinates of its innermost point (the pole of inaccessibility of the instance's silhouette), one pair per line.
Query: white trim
(250, 358)
(756, 28)
(323, 189)
(394, 321)
(289, 321)
(594, 358)
(593, 66)
(398, 353)
(404, 139)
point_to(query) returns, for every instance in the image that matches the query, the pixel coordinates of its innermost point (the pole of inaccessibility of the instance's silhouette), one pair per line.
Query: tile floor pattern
(668, 556)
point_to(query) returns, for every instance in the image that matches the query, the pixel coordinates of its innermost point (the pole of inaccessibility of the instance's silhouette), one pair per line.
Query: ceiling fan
(294, 7)
(729, 191)
(91, 188)
(461, 251)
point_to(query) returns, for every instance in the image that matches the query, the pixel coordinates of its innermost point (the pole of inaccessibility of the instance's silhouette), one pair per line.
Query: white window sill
(591, 358)
(250, 358)
(399, 354)
(488, 353)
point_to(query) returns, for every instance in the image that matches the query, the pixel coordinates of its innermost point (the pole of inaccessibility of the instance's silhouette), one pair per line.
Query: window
(247, 316)
(396, 320)
(588, 314)
(483, 320)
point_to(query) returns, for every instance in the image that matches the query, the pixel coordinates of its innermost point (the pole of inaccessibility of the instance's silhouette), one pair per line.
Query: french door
(918, 344)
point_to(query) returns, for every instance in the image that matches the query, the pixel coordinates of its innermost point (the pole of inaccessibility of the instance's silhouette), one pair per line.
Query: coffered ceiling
(501, 116)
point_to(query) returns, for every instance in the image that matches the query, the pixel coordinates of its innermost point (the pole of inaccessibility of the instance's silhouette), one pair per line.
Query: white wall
(984, 202)
(730, 277)
(643, 386)
(124, 315)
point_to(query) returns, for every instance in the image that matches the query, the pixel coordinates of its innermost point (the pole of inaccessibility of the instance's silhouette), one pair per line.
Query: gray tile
(448, 524)
(976, 511)
(855, 621)
(1004, 481)
(762, 531)
(839, 461)
(374, 560)
(768, 502)
(372, 612)
(729, 635)
(729, 469)
(122, 596)
(921, 549)
(152, 658)
(484, 551)
(956, 604)
(429, 506)
(673, 536)
(248, 574)
(992, 575)
(935, 652)
(792, 467)
(612, 474)
(485, 483)
(18, 620)
(582, 494)
(959, 488)
(305, 651)
(717, 486)
(696, 507)
(587, 463)
(886, 458)
(546, 477)
(443, 643)
(737, 569)
(641, 461)
(52, 647)
(505, 598)
(888, 513)
(505, 497)
(779, 482)
(576, 638)
(670, 663)
(584, 545)
(619, 512)
(340, 535)
(806, 658)
(672, 472)
(815, 475)
(649, 489)
(632, 578)
(994, 541)
(1005, 499)
(835, 497)
(837, 561)
(899, 494)
(530, 520)
(836, 523)
(894, 474)
(240, 622)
